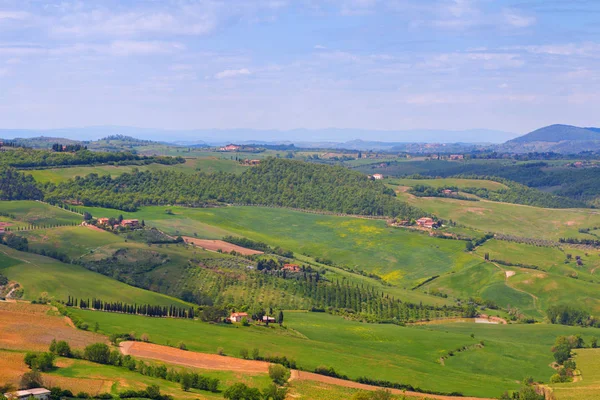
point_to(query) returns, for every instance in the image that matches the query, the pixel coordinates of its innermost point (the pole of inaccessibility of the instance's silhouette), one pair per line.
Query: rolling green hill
(39, 275)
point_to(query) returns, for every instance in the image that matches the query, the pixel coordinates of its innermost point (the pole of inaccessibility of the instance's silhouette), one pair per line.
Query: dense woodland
(17, 186)
(29, 158)
(275, 182)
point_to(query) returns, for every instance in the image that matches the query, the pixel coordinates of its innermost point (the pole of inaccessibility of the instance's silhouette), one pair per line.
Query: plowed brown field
(214, 245)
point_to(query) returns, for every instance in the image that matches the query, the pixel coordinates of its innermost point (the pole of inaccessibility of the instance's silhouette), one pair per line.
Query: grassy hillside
(400, 257)
(74, 241)
(448, 182)
(38, 275)
(33, 212)
(510, 219)
(401, 354)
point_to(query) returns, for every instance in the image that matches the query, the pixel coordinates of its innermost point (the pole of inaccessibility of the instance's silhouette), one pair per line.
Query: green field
(36, 213)
(400, 354)
(448, 182)
(509, 219)
(399, 256)
(588, 363)
(39, 275)
(74, 241)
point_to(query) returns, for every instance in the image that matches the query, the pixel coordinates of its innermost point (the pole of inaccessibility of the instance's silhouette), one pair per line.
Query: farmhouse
(457, 157)
(230, 147)
(238, 316)
(268, 319)
(38, 393)
(377, 176)
(447, 191)
(103, 221)
(130, 223)
(291, 267)
(427, 222)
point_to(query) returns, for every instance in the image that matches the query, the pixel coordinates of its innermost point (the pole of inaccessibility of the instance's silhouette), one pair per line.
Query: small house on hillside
(103, 221)
(457, 157)
(268, 319)
(427, 222)
(291, 267)
(238, 316)
(377, 176)
(447, 191)
(37, 393)
(130, 223)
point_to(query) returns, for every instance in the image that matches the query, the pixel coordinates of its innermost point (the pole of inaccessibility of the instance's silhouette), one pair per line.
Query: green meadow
(388, 352)
(448, 182)
(74, 241)
(398, 256)
(36, 213)
(42, 275)
(510, 219)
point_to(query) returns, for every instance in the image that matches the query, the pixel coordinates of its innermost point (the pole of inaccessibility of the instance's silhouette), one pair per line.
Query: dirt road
(212, 361)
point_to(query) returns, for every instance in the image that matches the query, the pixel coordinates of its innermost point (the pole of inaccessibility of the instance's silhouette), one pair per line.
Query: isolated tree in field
(87, 216)
(60, 348)
(280, 318)
(255, 354)
(244, 353)
(594, 342)
(279, 374)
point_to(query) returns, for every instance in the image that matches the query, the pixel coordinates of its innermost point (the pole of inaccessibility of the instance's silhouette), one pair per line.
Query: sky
(285, 64)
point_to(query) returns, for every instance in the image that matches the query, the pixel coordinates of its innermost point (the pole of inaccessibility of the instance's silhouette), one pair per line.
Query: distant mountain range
(314, 136)
(556, 138)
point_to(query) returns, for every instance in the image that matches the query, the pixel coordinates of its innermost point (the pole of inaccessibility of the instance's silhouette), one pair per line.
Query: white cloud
(232, 73)
(517, 20)
(320, 47)
(14, 15)
(133, 47)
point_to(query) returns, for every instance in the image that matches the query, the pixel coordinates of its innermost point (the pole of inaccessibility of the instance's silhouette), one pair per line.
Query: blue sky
(285, 64)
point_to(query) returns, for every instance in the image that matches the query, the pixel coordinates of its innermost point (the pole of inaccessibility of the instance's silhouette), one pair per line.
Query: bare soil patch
(191, 359)
(5, 224)
(302, 375)
(28, 327)
(509, 273)
(214, 245)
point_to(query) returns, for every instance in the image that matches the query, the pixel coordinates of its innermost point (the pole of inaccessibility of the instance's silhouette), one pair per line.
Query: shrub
(244, 354)
(220, 351)
(97, 352)
(279, 374)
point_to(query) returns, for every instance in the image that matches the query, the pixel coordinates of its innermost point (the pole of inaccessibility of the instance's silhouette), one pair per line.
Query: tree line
(30, 158)
(137, 309)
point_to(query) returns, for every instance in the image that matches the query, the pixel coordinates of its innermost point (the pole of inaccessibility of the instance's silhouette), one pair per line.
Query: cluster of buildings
(126, 223)
(237, 317)
(230, 147)
(377, 177)
(427, 223)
